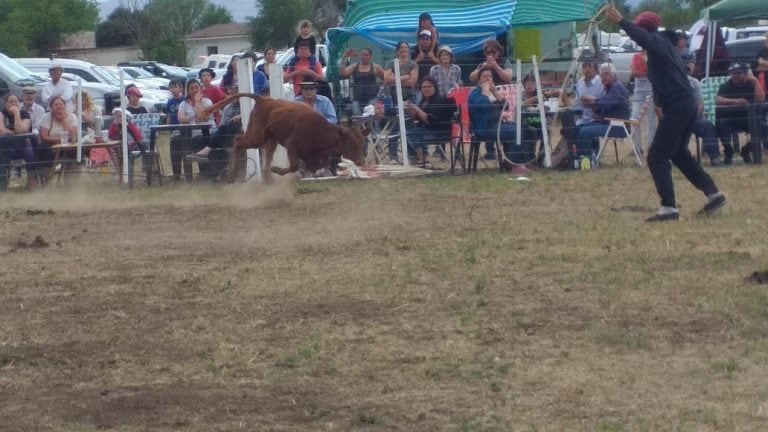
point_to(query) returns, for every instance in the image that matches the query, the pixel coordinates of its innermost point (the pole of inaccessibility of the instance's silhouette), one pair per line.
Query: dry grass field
(472, 303)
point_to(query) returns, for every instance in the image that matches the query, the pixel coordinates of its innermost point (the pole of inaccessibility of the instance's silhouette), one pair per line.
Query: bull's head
(351, 143)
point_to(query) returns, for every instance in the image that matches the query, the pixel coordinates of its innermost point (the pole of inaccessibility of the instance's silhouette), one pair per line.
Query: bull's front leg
(238, 153)
(293, 158)
(269, 153)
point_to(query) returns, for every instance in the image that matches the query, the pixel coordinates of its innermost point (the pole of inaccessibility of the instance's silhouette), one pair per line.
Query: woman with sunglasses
(432, 120)
(499, 66)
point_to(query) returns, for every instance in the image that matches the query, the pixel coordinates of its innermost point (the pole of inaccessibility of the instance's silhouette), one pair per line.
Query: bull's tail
(228, 100)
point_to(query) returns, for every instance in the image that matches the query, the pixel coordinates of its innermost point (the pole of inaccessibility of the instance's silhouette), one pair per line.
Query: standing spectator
(134, 100)
(499, 65)
(364, 82)
(674, 96)
(408, 79)
(761, 65)
(270, 56)
(318, 102)
(643, 91)
(176, 87)
(424, 55)
(36, 112)
(446, 72)
(432, 120)
(588, 88)
(731, 112)
(426, 23)
(212, 92)
(230, 76)
(58, 87)
(304, 69)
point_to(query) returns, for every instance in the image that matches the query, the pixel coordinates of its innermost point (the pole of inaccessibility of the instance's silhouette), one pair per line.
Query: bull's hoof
(280, 171)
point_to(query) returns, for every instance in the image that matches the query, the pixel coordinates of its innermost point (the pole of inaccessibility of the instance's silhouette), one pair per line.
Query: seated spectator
(446, 72)
(304, 68)
(703, 128)
(614, 103)
(91, 115)
(56, 127)
(192, 110)
(115, 131)
(35, 110)
(731, 112)
(318, 102)
(431, 120)
(213, 159)
(15, 121)
(484, 111)
(364, 79)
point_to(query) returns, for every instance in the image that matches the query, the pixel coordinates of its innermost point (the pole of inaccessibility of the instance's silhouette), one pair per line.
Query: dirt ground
(473, 303)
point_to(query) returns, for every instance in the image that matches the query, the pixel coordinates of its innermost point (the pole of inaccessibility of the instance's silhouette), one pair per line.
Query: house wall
(231, 45)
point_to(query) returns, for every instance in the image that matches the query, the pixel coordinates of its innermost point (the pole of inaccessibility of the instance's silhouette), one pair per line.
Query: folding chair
(460, 128)
(621, 125)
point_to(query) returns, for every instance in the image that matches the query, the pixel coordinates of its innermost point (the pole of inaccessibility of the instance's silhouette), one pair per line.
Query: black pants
(182, 146)
(671, 144)
(21, 148)
(218, 158)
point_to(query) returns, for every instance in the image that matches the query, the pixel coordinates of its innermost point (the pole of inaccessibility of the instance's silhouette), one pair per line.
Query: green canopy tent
(730, 10)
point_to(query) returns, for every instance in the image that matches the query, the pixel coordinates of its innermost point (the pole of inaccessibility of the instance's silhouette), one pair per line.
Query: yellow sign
(527, 43)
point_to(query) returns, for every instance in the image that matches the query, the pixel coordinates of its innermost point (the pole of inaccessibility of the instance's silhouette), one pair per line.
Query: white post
(124, 126)
(710, 46)
(542, 113)
(245, 85)
(401, 114)
(277, 91)
(79, 120)
(518, 103)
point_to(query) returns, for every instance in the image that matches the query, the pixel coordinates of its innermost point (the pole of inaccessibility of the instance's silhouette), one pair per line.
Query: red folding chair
(460, 128)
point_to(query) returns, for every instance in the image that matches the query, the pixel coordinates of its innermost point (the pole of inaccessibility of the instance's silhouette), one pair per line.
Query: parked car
(745, 50)
(14, 76)
(140, 75)
(734, 34)
(157, 69)
(153, 100)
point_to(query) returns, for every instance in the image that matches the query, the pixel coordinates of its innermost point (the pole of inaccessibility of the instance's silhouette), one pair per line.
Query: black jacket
(666, 70)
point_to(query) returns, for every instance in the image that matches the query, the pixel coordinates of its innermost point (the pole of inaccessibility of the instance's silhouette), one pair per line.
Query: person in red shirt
(212, 92)
(304, 70)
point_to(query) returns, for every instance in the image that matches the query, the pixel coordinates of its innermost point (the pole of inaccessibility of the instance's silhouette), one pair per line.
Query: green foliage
(169, 49)
(276, 24)
(213, 14)
(39, 25)
(122, 27)
(677, 14)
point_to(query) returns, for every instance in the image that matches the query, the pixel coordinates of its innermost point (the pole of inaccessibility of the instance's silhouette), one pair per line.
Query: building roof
(219, 31)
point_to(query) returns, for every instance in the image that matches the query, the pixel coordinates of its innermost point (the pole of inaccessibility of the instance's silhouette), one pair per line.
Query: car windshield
(139, 72)
(16, 72)
(105, 76)
(172, 70)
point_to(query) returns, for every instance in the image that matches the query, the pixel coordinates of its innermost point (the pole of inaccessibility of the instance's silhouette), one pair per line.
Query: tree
(213, 14)
(120, 28)
(41, 25)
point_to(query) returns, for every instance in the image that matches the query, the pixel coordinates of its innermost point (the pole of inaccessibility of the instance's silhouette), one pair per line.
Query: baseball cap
(28, 89)
(426, 33)
(133, 91)
(738, 66)
(55, 65)
(648, 20)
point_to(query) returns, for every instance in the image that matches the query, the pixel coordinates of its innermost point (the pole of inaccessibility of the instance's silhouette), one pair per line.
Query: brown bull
(304, 132)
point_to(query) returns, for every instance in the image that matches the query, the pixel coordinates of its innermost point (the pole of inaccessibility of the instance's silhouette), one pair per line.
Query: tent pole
(518, 104)
(542, 113)
(710, 45)
(401, 114)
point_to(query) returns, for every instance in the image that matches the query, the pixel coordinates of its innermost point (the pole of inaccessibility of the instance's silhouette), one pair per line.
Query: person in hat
(319, 103)
(365, 78)
(115, 131)
(424, 54)
(28, 104)
(58, 86)
(426, 23)
(446, 72)
(134, 100)
(673, 94)
(731, 113)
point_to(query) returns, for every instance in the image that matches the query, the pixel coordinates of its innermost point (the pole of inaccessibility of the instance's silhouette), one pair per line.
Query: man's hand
(613, 14)
(237, 119)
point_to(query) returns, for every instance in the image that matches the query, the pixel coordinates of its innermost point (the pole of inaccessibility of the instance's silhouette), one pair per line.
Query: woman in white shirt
(192, 110)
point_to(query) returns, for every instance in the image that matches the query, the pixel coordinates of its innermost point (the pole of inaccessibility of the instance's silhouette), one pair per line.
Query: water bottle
(585, 164)
(593, 159)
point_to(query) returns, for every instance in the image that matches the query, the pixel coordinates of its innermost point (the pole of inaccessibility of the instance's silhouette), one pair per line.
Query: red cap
(648, 20)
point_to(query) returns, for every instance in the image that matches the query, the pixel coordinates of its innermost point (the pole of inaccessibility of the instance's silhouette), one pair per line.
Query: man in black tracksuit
(674, 95)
